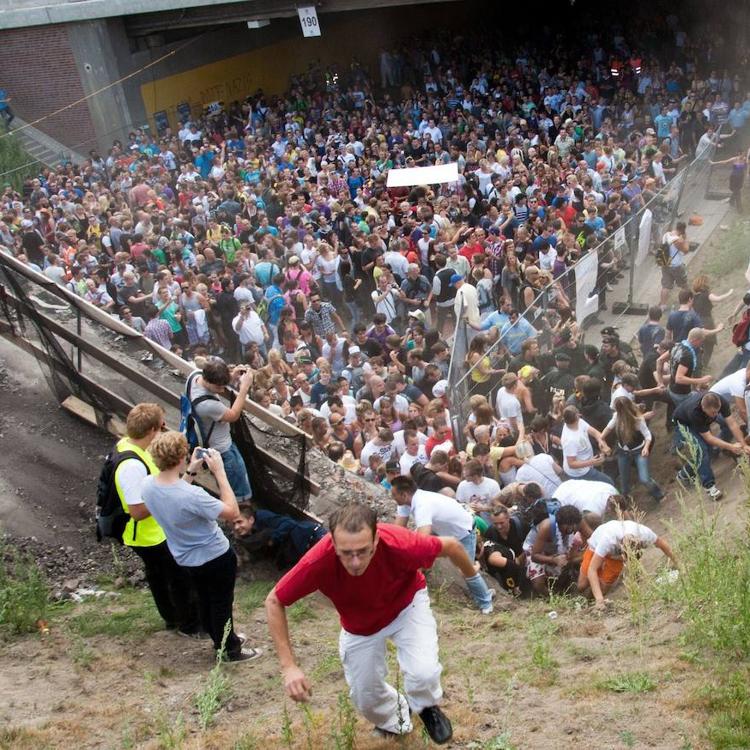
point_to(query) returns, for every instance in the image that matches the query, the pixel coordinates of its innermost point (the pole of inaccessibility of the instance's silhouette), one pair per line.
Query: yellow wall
(344, 36)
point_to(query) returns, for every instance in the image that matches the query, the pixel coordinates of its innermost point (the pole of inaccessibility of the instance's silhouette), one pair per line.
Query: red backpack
(741, 331)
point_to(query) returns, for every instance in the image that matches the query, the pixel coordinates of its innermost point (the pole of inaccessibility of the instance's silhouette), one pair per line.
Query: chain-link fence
(578, 292)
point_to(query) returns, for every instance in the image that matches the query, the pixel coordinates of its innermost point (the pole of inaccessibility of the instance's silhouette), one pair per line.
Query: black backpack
(111, 518)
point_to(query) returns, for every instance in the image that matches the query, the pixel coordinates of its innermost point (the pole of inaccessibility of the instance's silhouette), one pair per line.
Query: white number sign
(308, 18)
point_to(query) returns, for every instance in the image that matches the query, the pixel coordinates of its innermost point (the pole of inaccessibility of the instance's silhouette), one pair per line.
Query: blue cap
(455, 279)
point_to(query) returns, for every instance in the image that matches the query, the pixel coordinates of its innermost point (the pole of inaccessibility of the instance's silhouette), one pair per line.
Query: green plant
(246, 742)
(728, 699)
(252, 595)
(82, 655)
(170, 733)
(217, 688)
(300, 612)
(344, 732)
(23, 591)
(287, 733)
(629, 682)
(134, 614)
(309, 725)
(627, 737)
(499, 742)
(540, 634)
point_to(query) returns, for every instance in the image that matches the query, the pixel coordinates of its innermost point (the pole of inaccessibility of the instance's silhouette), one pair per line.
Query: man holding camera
(214, 419)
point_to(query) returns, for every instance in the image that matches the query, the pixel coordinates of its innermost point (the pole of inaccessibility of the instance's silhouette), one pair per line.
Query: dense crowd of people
(262, 234)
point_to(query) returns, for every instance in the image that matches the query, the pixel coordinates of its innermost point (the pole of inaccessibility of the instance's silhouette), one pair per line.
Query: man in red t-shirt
(371, 573)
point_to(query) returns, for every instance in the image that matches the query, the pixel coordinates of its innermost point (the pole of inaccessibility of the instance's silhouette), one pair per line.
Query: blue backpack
(190, 423)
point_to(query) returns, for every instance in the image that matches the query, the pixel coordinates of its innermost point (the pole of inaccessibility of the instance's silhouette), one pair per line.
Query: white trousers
(414, 634)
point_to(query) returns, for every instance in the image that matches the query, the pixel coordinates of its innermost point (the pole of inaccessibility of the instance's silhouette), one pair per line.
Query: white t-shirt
(131, 474)
(585, 495)
(444, 514)
(732, 386)
(251, 330)
(468, 492)
(407, 460)
(371, 448)
(399, 445)
(508, 406)
(540, 470)
(400, 404)
(620, 391)
(576, 443)
(606, 541)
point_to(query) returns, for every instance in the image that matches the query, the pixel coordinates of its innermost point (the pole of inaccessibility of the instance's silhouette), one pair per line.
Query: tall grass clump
(713, 594)
(23, 591)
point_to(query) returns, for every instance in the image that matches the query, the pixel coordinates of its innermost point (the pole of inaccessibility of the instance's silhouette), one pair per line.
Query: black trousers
(214, 584)
(171, 588)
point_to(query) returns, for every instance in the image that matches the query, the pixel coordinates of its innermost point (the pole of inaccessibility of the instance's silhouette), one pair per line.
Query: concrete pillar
(97, 47)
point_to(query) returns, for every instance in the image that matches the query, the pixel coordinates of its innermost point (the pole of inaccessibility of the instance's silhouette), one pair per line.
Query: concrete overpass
(59, 58)
(162, 14)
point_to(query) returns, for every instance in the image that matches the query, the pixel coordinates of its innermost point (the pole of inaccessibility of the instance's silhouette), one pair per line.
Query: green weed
(729, 703)
(170, 734)
(81, 653)
(217, 689)
(135, 615)
(329, 664)
(300, 612)
(630, 682)
(246, 742)
(23, 592)
(344, 732)
(540, 639)
(500, 742)
(627, 738)
(252, 595)
(287, 733)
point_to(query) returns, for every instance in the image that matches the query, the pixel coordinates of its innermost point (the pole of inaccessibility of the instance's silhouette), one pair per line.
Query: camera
(201, 453)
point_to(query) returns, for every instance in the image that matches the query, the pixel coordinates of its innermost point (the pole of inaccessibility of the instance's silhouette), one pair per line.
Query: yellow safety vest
(147, 532)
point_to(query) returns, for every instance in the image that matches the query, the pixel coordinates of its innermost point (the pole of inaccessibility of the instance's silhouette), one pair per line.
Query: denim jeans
(477, 587)
(625, 460)
(705, 472)
(236, 471)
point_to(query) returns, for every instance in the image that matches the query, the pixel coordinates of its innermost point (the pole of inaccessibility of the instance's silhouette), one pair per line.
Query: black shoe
(437, 724)
(246, 654)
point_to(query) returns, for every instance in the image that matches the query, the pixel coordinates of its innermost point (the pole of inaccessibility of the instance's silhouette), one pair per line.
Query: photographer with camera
(214, 419)
(188, 515)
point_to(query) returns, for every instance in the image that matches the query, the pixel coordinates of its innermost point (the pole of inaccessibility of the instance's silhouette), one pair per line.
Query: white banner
(586, 271)
(423, 175)
(308, 18)
(620, 241)
(644, 237)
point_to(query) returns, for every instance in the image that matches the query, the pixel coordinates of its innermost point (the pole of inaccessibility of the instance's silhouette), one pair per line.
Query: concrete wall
(40, 74)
